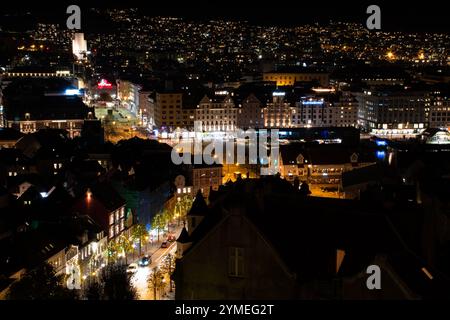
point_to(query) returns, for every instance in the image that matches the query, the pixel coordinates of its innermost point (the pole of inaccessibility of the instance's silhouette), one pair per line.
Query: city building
(202, 177)
(146, 118)
(51, 103)
(217, 113)
(105, 206)
(391, 110)
(79, 46)
(248, 248)
(322, 164)
(439, 110)
(128, 92)
(250, 114)
(290, 77)
(279, 113)
(166, 107)
(320, 112)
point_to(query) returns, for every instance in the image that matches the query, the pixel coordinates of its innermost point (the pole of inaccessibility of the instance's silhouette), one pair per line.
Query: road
(139, 279)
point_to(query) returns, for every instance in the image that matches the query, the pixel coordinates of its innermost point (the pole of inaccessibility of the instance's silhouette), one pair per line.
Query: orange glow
(88, 194)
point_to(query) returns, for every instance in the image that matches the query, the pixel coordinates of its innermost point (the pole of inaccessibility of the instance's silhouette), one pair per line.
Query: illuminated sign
(72, 92)
(104, 84)
(381, 143)
(323, 90)
(221, 93)
(278, 94)
(312, 102)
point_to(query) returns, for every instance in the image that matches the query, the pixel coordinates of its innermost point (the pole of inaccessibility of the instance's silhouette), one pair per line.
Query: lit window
(111, 218)
(179, 190)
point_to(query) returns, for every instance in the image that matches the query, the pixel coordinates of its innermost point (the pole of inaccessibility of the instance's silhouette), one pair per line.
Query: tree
(156, 281)
(113, 251)
(167, 217)
(94, 291)
(182, 207)
(168, 267)
(158, 222)
(117, 284)
(41, 283)
(140, 234)
(125, 245)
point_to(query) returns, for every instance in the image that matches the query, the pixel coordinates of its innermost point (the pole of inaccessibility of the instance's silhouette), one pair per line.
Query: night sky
(402, 15)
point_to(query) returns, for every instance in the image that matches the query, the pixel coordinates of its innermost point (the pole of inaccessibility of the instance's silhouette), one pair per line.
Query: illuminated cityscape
(324, 152)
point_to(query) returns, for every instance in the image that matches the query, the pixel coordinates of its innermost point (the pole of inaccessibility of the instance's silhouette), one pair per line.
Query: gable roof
(199, 206)
(315, 227)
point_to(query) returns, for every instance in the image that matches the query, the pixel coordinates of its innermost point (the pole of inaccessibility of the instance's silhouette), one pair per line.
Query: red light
(104, 84)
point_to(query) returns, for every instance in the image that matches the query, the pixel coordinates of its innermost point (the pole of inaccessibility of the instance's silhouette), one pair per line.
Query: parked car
(164, 244)
(132, 268)
(145, 261)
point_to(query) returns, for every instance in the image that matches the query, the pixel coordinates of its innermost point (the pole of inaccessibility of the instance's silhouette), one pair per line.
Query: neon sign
(104, 84)
(312, 102)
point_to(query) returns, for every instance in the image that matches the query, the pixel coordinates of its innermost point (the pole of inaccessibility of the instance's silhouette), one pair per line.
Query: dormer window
(27, 116)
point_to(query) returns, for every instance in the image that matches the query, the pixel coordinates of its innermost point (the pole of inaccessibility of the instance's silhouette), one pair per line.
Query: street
(140, 279)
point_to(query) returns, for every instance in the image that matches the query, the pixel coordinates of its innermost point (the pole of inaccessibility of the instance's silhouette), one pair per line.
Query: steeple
(183, 243)
(198, 211)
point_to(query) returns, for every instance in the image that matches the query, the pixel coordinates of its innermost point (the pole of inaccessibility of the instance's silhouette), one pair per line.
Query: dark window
(236, 262)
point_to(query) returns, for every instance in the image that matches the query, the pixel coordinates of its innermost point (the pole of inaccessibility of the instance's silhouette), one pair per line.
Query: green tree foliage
(168, 267)
(140, 235)
(158, 223)
(125, 245)
(156, 281)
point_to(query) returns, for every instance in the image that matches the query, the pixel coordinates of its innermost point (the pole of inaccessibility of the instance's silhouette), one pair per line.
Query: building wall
(278, 114)
(168, 110)
(73, 127)
(206, 178)
(145, 111)
(217, 116)
(326, 115)
(188, 115)
(250, 115)
(393, 112)
(440, 113)
(116, 222)
(289, 79)
(204, 273)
